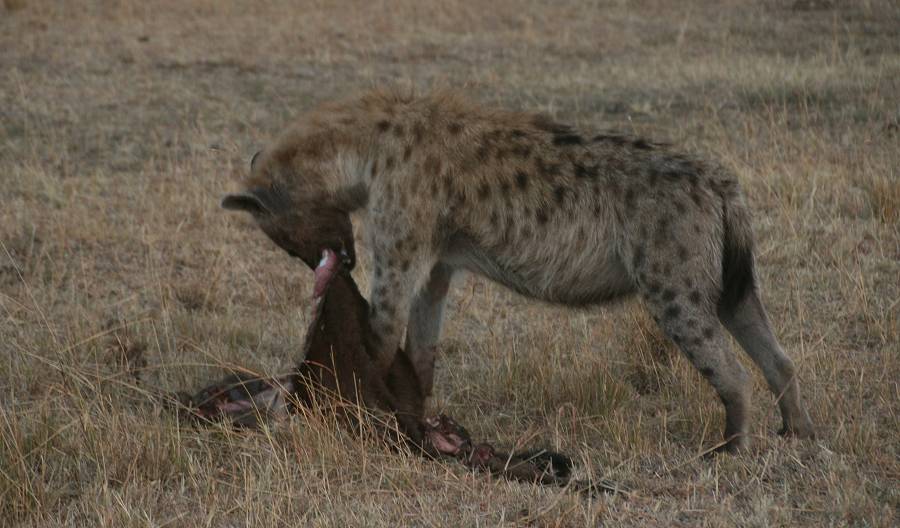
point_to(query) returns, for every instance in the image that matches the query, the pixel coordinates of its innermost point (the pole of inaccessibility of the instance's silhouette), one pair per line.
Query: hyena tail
(738, 274)
(743, 314)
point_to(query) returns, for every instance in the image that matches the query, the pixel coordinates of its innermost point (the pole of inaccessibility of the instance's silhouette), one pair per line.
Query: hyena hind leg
(750, 326)
(425, 319)
(695, 329)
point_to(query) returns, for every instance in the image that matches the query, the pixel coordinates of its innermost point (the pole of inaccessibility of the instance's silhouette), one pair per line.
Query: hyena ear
(245, 201)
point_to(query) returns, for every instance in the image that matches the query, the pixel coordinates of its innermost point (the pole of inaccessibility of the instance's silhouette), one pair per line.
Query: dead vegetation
(122, 123)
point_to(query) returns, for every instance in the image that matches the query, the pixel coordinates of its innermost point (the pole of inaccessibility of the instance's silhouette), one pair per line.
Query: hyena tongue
(324, 272)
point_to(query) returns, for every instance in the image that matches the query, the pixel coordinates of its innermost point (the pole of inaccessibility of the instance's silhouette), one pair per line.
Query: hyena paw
(803, 430)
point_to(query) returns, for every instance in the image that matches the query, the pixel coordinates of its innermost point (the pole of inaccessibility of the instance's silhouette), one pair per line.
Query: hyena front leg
(398, 270)
(688, 317)
(425, 318)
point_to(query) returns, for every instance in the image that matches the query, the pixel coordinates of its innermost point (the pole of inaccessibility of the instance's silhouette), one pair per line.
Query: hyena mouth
(327, 268)
(325, 271)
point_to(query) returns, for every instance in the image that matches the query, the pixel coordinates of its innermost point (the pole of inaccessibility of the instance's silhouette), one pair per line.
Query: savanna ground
(123, 122)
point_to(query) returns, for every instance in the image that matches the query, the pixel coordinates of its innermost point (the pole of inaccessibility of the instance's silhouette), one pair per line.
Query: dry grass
(121, 124)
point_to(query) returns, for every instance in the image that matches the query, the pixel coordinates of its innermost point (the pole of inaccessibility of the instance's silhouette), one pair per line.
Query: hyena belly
(571, 259)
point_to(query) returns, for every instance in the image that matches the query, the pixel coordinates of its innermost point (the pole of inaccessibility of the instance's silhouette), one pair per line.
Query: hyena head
(300, 222)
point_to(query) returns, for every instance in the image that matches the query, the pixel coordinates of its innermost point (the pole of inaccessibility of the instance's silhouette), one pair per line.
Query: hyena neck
(374, 139)
(349, 187)
(368, 159)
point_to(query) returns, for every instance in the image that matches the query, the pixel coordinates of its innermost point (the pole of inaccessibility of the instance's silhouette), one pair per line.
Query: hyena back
(550, 212)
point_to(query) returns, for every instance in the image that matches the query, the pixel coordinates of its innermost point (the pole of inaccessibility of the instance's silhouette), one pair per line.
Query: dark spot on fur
(614, 187)
(484, 191)
(454, 128)
(448, 185)
(565, 140)
(638, 257)
(652, 178)
(389, 163)
(709, 332)
(680, 207)
(521, 180)
(407, 153)
(697, 197)
(432, 165)
(642, 144)
(669, 295)
(386, 307)
(418, 132)
(630, 196)
(614, 139)
(541, 216)
(404, 266)
(661, 234)
(507, 233)
(682, 253)
(672, 311)
(695, 297)
(654, 288)
(672, 174)
(559, 194)
(585, 171)
(522, 151)
(383, 125)
(482, 152)
(546, 169)
(707, 372)
(504, 189)
(693, 179)
(495, 219)
(516, 133)
(688, 283)
(547, 124)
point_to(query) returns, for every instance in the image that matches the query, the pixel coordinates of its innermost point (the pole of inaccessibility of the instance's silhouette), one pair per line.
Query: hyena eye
(253, 159)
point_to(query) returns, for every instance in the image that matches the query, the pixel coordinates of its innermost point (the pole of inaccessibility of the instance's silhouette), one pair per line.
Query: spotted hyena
(554, 213)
